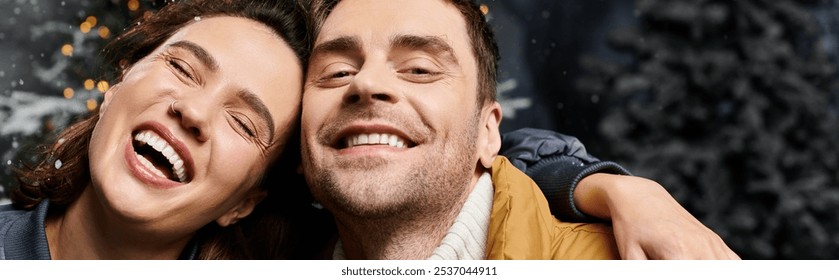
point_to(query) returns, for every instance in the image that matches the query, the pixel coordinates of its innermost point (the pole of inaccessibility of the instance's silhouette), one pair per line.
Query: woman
(180, 143)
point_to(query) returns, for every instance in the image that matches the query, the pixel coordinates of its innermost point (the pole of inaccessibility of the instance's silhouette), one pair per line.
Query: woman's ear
(489, 137)
(107, 100)
(243, 209)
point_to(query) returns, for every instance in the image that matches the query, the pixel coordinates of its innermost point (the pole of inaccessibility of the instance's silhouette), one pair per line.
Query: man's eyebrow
(338, 45)
(199, 53)
(430, 44)
(252, 101)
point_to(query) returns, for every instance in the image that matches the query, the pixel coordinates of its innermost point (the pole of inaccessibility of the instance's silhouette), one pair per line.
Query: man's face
(390, 118)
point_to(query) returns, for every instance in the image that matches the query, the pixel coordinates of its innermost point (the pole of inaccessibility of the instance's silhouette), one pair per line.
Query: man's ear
(243, 209)
(489, 136)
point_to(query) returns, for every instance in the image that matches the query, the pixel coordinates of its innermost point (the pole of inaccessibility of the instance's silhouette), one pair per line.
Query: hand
(648, 223)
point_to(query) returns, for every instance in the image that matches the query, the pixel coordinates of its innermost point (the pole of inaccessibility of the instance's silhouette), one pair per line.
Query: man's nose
(371, 84)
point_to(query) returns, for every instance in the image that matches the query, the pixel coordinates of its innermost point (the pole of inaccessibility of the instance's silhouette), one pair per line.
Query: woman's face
(236, 88)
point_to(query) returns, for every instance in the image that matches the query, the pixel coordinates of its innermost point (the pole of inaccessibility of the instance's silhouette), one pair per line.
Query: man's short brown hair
(480, 34)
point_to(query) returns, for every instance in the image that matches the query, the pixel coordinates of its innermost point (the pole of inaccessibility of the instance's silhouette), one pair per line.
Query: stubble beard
(379, 189)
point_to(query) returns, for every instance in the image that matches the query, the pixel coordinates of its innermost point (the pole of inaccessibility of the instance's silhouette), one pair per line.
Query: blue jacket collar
(27, 238)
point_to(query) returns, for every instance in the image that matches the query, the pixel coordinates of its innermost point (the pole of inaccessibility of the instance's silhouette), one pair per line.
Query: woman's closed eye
(244, 125)
(251, 133)
(181, 68)
(249, 130)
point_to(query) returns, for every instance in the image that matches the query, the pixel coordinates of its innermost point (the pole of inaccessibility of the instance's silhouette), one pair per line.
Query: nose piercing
(172, 107)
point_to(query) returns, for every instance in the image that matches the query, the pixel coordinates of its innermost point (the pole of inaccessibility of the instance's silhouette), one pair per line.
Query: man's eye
(340, 74)
(336, 71)
(335, 78)
(420, 74)
(419, 71)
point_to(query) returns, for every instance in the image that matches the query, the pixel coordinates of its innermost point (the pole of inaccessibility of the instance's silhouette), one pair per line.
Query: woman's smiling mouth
(158, 156)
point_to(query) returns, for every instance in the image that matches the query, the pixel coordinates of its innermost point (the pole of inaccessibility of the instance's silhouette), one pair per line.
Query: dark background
(731, 105)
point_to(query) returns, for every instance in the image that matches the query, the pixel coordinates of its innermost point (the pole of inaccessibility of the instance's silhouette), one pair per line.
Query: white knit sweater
(466, 239)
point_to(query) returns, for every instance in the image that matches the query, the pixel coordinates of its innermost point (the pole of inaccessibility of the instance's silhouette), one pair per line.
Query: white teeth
(168, 151)
(159, 144)
(374, 139)
(149, 165)
(152, 139)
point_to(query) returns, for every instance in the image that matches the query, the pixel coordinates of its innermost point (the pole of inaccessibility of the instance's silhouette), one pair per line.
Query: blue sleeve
(557, 163)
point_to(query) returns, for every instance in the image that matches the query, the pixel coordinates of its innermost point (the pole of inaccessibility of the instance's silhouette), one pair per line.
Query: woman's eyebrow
(203, 56)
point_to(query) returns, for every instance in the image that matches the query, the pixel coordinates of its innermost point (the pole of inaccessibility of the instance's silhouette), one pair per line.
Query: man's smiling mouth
(369, 139)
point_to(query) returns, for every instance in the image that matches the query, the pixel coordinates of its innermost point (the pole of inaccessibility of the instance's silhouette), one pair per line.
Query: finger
(633, 253)
(723, 252)
(732, 255)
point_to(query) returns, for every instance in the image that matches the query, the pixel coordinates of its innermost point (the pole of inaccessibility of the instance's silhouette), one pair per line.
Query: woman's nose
(194, 115)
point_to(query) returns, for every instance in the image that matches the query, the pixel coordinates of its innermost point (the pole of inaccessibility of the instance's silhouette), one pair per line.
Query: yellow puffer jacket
(521, 225)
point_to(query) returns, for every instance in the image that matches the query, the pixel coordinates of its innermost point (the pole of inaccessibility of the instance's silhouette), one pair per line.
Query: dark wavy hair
(484, 47)
(40, 180)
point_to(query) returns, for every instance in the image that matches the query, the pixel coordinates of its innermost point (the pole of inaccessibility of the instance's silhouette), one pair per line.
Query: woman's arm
(647, 221)
(557, 163)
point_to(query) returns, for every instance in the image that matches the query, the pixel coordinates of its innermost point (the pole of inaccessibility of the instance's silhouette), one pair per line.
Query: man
(400, 136)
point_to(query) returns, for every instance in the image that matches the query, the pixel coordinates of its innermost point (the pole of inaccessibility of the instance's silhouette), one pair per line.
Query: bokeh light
(89, 84)
(68, 93)
(91, 104)
(67, 50)
(85, 27)
(91, 20)
(104, 32)
(133, 5)
(102, 86)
